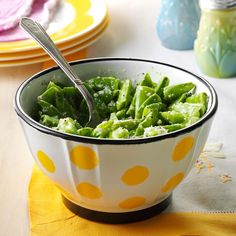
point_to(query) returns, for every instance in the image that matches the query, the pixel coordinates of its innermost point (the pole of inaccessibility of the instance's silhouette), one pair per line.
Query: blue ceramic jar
(178, 23)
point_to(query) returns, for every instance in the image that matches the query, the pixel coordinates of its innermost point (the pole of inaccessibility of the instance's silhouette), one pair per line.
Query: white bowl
(110, 180)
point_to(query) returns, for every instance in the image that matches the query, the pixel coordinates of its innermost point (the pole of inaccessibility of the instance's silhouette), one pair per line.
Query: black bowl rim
(210, 113)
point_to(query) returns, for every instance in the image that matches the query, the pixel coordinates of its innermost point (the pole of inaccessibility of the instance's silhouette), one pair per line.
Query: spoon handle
(40, 35)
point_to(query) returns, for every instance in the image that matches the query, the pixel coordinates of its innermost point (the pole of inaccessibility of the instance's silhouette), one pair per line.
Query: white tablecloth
(132, 33)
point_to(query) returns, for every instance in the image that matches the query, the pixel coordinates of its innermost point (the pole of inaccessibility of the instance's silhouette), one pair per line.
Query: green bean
(49, 109)
(49, 95)
(150, 120)
(173, 127)
(164, 82)
(147, 81)
(102, 107)
(105, 95)
(154, 131)
(142, 93)
(182, 99)
(86, 131)
(119, 133)
(121, 114)
(67, 125)
(199, 98)
(52, 84)
(154, 98)
(49, 121)
(73, 96)
(191, 120)
(103, 129)
(65, 107)
(99, 83)
(70, 92)
(113, 116)
(131, 110)
(155, 106)
(132, 133)
(125, 95)
(190, 109)
(127, 124)
(173, 117)
(139, 131)
(173, 92)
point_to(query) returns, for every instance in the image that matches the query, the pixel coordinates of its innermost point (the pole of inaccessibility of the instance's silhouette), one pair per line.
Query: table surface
(131, 33)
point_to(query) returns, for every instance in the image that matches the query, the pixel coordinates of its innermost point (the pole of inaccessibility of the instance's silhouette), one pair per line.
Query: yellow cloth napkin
(49, 216)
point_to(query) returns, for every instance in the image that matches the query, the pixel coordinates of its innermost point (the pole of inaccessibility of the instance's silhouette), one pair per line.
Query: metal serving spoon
(39, 34)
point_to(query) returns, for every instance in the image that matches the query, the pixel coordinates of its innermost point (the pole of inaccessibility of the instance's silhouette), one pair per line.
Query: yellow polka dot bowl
(107, 180)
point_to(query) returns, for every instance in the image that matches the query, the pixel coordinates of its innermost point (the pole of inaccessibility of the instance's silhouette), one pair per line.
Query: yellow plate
(64, 46)
(88, 14)
(47, 58)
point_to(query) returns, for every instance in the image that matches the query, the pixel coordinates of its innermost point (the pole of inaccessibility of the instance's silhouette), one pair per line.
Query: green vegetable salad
(144, 110)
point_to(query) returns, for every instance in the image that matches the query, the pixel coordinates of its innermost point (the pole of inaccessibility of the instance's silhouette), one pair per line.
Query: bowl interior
(121, 68)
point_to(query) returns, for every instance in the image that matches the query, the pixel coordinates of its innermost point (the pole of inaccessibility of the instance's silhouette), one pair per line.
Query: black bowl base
(119, 217)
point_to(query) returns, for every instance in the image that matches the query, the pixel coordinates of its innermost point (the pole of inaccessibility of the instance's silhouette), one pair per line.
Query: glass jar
(178, 23)
(215, 46)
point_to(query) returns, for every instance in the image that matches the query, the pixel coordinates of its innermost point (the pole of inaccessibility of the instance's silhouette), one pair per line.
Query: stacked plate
(76, 25)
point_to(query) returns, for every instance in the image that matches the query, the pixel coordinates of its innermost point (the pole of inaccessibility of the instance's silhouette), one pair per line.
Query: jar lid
(217, 4)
